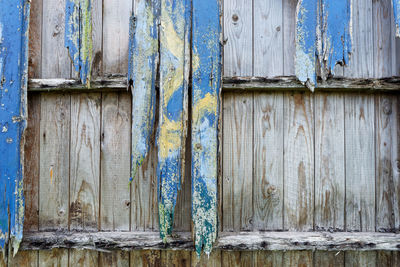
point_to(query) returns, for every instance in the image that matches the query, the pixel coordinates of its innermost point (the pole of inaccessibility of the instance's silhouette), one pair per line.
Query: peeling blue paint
(14, 21)
(171, 133)
(396, 9)
(206, 85)
(78, 36)
(142, 72)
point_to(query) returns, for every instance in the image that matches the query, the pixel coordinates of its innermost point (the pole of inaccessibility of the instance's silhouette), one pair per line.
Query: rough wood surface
(55, 257)
(170, 258)
(85, 162)
(35, 40)
(115, 259)
(145, 258)
(268, 161)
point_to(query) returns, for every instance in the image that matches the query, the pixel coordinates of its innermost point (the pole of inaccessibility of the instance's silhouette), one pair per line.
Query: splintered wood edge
(286, 83)
(248, 241)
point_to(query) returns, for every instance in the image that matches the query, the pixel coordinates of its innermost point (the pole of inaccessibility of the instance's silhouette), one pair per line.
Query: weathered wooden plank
(268, 162)
(35, 40)
(212, 260)
(24, 259)
(298, 161)
(143, 58)
(55, 59)
(54, 158)
(238, 38)
(268, 38)
(329, 162)
(31, 164)
(171, 134)
(115, 258)
(146, 258)
(55, 257)
(289, 43)
(276, 241)
(387, 122)
(396, 9)
(116, 36)
(358, 259)
(206, 90)
(306, 42)
(361, 64)
(83, 258)
(85, 162)
(237, 162)
(360, 162)
(115, 162)
(298, 258)
(237, 258)
(383, 38)
(14, 19)
(268, 258)
(172, 258)
(329, 259)
(78, 36)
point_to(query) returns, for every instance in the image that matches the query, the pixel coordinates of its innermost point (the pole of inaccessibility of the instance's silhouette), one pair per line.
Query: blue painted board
(78, 36)
(14, 20)
(171, 135)
(142, 72)
(396, 9)
(206, 87)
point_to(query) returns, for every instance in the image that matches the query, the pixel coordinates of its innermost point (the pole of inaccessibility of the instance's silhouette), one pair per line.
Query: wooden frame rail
(277, 241)
(119, 83)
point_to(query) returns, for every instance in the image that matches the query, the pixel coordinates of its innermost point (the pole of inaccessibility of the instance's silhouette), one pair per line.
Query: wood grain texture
(114, 55)
(267, 258)
(115, 162)
(212, 260)
(289, 30)
(97, 37)
(238, 38)
(54, 161)
(83, 258)
(115, 259)
(55, 59)
(145, 258)
(55, 257)
(237, 258)
(360, 162)
(298, 258)
(35, 39)
(237, 162)
(268, 38)
(298, 161)
(361, 63)
(172, 258)
(23, 259)
(329, 191)
(358, 259)
(329, 259)
(387, 121)
(268, 161)
(32, 164)
(85, 161)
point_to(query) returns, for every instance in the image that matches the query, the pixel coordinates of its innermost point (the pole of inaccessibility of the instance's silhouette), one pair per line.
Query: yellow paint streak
(51, 175)
(173, 41)
(170, 136)
(206, 104)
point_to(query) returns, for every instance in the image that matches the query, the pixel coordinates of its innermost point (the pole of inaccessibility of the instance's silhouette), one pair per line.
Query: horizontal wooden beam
(277, 241)
(119, 83)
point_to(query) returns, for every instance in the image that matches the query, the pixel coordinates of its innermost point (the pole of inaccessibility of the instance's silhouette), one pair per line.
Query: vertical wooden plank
(55, 257)
(267, 258)
(116, 36)
(360, 258)
(55, 58)
(85, 161)
(97, 37)
(237, 162)
(114, 258)
(115, 162)
(31, 165)
(171, 258)
(23, 259)
(298, 258)
(289, 32)
(387, 117)
(35, 40)
(382, 33)
(145, 258)
(238, 38)
(362, 57)
(298, 161)
(172, 126)
(83, 258)
(360, 162)
(329, 259)
(268, 38)
(329, 162)
(54, 161)
(268, 162)
(237, 258)
(206, 92)
(385, 259)
(212, 260)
